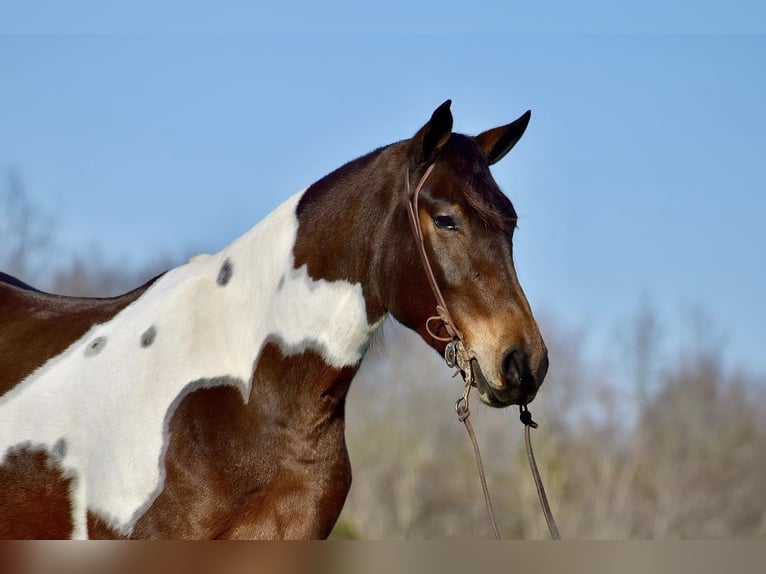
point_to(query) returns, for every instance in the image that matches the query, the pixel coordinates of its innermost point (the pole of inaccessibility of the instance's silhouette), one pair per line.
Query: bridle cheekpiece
(458, 356)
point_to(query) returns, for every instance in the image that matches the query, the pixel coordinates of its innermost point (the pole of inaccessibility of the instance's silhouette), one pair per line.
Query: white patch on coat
(110, 406)
(199, 258)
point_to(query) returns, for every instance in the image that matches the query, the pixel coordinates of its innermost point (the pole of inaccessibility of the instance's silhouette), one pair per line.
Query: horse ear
(499, 141)
(431, 138)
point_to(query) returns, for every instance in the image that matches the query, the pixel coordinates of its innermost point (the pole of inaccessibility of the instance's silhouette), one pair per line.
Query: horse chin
(493, 397)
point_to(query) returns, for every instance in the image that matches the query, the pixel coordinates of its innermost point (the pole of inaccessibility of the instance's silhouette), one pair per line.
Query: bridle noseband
(458, 355)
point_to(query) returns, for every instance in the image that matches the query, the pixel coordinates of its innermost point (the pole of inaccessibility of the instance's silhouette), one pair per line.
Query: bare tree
(640, 340)
(688, 464)
(92, 276)
(25, 231)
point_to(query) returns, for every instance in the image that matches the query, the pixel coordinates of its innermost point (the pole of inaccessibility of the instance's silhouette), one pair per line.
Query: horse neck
(348, 225)
(306, 277)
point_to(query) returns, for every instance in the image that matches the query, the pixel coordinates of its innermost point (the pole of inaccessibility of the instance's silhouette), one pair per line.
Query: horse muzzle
(521, 377)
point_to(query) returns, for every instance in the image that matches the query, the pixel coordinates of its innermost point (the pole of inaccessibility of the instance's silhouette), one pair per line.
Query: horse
(210, 401)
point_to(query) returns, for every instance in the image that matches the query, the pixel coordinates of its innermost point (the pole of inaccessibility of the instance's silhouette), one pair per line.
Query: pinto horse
(209, 402)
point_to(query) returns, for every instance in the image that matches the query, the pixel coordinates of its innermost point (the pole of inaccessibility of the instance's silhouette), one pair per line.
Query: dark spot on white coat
(95, 346)
(148, 337)
(224, 275)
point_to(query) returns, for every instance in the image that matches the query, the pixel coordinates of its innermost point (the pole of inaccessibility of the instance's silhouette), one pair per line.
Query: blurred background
(641, 189)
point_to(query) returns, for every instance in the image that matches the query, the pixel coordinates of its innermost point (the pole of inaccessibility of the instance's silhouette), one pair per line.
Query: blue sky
(642, 173)
(392, 16)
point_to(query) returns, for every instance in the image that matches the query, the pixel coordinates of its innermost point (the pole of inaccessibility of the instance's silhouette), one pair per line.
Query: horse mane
(7, 280)
(15, 282)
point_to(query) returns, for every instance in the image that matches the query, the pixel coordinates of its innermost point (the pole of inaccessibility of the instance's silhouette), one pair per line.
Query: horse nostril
(514, 366)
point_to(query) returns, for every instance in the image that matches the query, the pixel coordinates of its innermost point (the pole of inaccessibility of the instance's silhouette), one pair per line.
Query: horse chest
(255, 469)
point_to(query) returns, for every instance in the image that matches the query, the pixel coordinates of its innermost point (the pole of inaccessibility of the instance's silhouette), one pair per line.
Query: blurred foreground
(380, 557)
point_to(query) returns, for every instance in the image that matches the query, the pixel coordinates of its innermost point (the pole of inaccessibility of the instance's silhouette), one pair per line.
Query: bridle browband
(458, 355)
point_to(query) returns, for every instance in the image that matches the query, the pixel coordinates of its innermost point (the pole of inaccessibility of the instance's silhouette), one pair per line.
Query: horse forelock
(482, 194)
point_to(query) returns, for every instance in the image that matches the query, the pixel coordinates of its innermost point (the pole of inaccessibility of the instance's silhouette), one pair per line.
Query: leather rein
(457, 355)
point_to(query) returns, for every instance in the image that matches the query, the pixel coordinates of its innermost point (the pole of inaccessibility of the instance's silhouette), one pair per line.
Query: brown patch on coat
(35, 496)
(343, 221)
(274, 467)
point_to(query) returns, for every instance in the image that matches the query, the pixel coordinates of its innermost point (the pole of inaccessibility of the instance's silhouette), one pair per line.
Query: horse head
(467, 226)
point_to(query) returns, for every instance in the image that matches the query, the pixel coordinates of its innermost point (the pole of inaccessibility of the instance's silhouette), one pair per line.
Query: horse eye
(446, 222)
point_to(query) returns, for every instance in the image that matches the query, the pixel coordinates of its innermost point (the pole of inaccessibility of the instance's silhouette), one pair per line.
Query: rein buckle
(457, 357)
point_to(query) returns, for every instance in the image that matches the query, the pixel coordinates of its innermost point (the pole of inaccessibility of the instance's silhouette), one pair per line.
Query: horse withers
(209, 402)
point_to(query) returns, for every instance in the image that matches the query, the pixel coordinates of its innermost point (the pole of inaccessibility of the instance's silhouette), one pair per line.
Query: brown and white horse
(209, 403)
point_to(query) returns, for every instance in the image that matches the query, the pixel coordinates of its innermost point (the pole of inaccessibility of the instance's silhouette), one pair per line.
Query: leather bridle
(458, 355)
